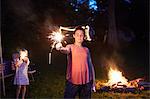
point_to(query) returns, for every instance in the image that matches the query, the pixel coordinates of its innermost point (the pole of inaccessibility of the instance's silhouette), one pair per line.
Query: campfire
(116, 77)
(117, 82)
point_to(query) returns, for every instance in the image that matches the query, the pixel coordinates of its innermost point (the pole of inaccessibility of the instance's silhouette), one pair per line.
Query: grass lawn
(50, 83)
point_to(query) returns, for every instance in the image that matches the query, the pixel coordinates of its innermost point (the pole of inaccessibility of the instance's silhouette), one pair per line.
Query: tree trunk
(112, 31)
(1, 58)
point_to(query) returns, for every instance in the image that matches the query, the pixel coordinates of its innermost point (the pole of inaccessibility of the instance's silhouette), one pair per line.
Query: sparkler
(56, 37)
(23, 54)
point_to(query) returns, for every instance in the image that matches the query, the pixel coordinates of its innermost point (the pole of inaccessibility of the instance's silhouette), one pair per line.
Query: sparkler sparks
(56, 37)
(23, 54)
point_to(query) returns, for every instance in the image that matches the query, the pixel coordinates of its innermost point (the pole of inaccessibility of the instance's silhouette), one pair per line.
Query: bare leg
(18, 91)
(23, 91)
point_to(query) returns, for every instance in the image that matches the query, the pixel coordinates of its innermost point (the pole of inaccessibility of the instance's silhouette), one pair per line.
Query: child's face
(79, 36)
(15, 56)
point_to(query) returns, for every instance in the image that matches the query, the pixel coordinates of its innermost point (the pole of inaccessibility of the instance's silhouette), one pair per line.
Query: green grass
(50, 83)
(106, 95)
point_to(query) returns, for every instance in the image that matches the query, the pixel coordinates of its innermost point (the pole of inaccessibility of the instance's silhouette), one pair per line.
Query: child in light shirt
(21, 77)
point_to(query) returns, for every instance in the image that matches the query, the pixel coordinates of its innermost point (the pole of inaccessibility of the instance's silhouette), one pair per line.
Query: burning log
(133, 86)
(144, 85)
(134, 83)
(119, 83)
(132, 90)
(105, 89)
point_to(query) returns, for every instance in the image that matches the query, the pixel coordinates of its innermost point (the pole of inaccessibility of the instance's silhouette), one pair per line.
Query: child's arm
(94, 84)
(26, 60)
(18, 62)
(12, 65)
(93, 71)
(65, 50)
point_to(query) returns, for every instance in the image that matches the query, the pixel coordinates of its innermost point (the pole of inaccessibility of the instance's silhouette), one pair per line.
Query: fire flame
(115, 77)
(117, 80)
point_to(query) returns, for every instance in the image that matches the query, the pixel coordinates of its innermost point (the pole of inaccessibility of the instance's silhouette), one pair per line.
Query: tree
(112, 31)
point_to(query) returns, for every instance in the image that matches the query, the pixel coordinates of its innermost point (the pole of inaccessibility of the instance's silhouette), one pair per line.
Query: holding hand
(94, 87)
(58, 46)
(25, 59)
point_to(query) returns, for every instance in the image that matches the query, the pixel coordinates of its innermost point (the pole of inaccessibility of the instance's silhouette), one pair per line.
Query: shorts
(72, 90)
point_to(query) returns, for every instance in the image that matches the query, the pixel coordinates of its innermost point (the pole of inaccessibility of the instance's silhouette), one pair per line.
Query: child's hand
(25, 59)
(93, 87)
(58, 46)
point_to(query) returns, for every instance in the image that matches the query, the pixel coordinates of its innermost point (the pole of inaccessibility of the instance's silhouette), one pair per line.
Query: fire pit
(118, 83)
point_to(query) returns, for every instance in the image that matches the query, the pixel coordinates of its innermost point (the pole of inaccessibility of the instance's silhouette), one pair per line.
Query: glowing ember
(116, 77)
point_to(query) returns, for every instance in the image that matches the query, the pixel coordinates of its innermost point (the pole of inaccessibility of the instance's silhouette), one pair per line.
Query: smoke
(112, 60)
(115, 59)
(31, 17)
(22, 9)
(30, 11)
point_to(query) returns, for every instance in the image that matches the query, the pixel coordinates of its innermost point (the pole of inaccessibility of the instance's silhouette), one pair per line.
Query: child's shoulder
(70, 45)
(86, 48)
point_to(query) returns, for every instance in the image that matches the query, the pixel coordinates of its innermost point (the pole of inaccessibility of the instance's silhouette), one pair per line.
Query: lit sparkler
(23, 54)
(56, 37)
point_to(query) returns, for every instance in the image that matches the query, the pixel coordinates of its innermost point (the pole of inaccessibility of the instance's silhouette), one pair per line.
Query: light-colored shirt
(79, 69)
(21, 77)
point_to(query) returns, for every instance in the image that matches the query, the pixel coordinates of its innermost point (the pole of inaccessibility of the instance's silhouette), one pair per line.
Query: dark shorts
(72, 90)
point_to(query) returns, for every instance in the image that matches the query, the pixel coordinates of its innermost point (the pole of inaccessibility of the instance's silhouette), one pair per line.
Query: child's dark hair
(79, 28)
